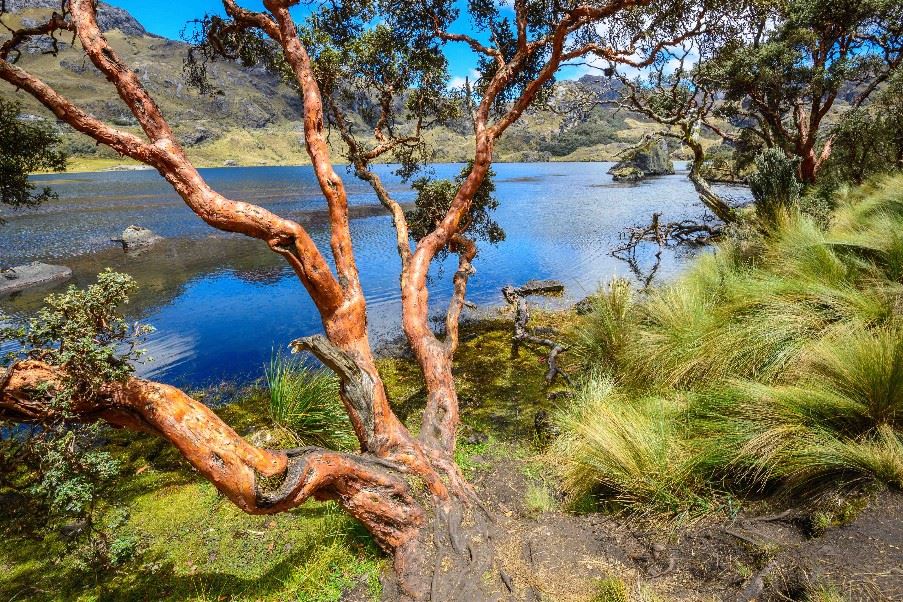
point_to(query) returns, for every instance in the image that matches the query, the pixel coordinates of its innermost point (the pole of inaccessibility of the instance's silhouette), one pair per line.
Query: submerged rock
(134, 238)
(650, 158)
(32, 274)
(626, 173)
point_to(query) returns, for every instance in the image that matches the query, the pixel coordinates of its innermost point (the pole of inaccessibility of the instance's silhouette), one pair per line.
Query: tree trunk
(439, 535)
(715, 203)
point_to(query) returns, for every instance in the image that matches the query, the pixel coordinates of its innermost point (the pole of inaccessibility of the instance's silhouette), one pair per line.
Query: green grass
(306, 404)
(773, 365)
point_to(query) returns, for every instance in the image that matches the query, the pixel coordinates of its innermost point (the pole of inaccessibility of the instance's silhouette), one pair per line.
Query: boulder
(32, 274)
(626, 173)
(136, 237)
(649, 158)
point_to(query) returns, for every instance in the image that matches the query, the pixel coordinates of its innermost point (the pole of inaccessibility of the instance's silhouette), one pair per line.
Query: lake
(222, 304)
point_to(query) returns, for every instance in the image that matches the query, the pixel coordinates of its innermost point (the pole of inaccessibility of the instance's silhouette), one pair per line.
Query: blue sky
(168, 17)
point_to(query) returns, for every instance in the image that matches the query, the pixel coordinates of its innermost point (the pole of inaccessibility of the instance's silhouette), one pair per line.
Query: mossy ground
(192, 544)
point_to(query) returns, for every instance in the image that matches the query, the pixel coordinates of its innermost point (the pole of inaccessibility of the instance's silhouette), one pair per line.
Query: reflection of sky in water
(222, 319)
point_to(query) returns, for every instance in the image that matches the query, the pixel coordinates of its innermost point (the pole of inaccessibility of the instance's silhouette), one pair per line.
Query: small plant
(628, 448)
(538, 499)
(605, 331)
(612, 589)
(306, 403)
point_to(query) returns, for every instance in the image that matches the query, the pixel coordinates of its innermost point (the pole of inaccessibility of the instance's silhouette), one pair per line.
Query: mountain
(255, 120)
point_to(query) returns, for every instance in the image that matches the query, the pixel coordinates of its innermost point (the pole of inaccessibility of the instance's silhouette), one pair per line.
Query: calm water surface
(221, 304)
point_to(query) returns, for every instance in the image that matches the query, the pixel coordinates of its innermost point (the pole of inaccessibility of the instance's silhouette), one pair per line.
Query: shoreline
(119, 167)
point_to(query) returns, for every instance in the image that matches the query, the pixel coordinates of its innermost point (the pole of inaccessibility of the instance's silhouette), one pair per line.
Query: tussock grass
(305, 404)
(603, 335)
(773, 365)
(628, 448)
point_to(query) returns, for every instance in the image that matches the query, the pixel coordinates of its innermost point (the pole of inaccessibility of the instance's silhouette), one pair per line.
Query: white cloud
(457, 82)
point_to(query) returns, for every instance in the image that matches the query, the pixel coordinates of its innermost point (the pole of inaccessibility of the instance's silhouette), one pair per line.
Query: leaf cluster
(81, 331)
(26, 147)
(434, 198)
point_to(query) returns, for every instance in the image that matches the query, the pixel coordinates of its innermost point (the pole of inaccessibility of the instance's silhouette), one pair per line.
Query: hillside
(255, 119)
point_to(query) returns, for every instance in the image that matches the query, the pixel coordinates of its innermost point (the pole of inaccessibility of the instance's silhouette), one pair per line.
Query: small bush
(306, 403)
(612, 589)
(774, 185)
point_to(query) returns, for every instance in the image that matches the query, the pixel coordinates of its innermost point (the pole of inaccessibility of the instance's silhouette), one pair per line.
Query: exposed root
(517, 297)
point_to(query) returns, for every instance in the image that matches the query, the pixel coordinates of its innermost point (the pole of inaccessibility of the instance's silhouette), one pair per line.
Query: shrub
(775, 370)
(627, 449)
(774, 185)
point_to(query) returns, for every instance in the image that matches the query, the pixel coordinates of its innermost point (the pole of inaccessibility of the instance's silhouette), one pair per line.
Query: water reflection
(221, 303)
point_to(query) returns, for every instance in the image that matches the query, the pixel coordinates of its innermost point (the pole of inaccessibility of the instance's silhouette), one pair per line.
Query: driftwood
(517, 298)
(667, 234)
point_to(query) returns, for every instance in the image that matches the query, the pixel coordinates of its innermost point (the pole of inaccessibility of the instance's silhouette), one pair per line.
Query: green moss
(191, 543)
(612, 589)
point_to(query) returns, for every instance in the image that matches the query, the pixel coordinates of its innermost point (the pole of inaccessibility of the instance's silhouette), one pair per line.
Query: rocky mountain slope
(255, 119)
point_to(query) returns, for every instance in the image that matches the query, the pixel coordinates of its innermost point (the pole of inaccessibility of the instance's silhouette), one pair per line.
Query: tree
(797, 61)
(404, 488)
(25, 147)
(869, 139)
(680, 98)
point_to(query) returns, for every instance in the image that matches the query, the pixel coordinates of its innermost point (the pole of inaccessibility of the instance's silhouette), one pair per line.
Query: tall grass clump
(306, 404)
(777, 371)
(627, 450)
(604, 333)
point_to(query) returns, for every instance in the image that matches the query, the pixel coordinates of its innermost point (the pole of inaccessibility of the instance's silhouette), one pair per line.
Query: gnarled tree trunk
(407, 491)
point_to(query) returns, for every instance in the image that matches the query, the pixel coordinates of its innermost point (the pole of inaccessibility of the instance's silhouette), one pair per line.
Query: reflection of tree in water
(262, 275)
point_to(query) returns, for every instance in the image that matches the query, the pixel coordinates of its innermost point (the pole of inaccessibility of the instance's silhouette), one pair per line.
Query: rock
(476, 438)
(541, 287)
(650, 158)
(584, 306)
(627, 173)
(136, 237)
(108, 17)
(199, 135)
(230, 163)
(32, 274)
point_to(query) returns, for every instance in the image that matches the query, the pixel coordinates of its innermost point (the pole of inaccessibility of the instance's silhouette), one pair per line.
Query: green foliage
(611, 589)
(600, 127)
(306, 403)
(603, 335)
(434, 198)
(803, 53)
(869, 140)
(57, 464)
(26, 147)
(774, 185)
(82, 331)
(774, 365)
(625, 449)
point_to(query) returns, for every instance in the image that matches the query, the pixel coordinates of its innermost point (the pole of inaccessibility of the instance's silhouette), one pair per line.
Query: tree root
(516, 297)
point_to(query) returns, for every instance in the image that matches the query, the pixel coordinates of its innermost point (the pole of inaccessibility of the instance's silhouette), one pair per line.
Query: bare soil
(764, 556)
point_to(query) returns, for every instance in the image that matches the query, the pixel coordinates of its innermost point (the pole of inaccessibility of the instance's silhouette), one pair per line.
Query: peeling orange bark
(434, 528)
